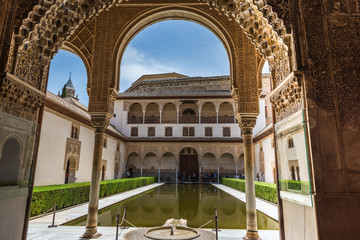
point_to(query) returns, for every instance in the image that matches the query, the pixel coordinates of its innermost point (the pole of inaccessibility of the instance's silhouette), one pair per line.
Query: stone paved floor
(38, 228)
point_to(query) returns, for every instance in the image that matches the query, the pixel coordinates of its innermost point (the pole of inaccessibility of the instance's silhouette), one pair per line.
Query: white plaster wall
(299, 222)
(109, 155)
(260, 121)
(86, 137)
(122, 159)
(257, 158)
(118, 120)
(269, 159)
(50, 163)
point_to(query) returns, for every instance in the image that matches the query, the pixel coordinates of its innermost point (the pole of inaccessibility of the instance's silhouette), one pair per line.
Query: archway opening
(189, 165)
(10, 163)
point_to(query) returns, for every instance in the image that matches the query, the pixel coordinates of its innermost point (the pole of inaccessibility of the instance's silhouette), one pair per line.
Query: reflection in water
(193, 202)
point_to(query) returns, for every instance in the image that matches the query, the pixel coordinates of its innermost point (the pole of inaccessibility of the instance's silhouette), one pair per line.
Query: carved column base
(251, 235)
(91, 232)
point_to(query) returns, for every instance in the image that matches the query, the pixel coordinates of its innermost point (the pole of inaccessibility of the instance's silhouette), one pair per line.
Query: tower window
(290, 142)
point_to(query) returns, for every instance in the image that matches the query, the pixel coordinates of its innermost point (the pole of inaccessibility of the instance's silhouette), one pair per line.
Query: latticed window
(191, 131)
(226, 132)
(208, 132)
(134, 131)
(168, 131)
(75, 131)
(151, 132)
(105, 143)
(290, 142)
(185, 131)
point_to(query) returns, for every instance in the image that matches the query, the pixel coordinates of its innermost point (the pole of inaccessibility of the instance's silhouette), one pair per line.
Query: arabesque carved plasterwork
(20, 100)
(288, 98)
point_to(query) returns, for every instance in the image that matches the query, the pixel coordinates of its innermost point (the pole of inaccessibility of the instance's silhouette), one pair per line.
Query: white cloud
(136, 63)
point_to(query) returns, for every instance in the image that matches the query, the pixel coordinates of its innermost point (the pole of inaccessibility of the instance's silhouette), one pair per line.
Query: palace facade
(175, 134)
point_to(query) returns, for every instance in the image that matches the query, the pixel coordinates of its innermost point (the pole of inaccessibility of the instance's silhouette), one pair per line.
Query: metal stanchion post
(53, 221)
(216, 224)
(117, 226)
(125, 219)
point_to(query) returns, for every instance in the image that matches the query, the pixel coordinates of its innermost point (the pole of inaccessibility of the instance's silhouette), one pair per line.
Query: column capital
(100, 121)
(246, 123)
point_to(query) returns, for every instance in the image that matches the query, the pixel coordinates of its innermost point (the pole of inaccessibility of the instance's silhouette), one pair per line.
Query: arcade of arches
(312, 48)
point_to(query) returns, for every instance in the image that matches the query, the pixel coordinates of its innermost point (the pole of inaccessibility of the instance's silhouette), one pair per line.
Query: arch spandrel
(40, 38)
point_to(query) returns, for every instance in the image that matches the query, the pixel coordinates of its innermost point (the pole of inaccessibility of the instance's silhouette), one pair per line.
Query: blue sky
(170, 46)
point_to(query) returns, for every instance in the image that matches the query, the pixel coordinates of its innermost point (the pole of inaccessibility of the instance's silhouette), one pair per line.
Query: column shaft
(91, 224)
(159, 173)
(251, 220)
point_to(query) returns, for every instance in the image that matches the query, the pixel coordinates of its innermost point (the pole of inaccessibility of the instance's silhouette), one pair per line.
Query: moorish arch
(52, 23)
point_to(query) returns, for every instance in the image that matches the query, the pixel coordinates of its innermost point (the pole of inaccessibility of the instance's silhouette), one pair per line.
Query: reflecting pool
(194, 202)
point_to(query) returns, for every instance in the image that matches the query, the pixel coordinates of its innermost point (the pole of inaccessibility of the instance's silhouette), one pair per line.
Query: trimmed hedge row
(66, 195)
(266, 191)
(295, 186)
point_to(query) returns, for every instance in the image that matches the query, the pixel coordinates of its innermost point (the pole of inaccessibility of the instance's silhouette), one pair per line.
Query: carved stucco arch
(68, 46)
(153, 16)
(50, 24)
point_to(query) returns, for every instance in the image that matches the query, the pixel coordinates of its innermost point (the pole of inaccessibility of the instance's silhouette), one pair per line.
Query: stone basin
(171, 232)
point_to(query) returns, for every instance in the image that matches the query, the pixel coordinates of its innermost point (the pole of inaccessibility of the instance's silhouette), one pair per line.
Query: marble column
(141, 169)
(218, 173)
(100, 123)
(236, 169)
(247, 123)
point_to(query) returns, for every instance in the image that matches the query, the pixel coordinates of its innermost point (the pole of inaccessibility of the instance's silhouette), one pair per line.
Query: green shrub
(66, 195)
(295, 186)
(266, 191)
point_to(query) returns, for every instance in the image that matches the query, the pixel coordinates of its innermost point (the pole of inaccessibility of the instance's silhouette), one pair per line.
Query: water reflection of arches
(10, 162)
(189, 164)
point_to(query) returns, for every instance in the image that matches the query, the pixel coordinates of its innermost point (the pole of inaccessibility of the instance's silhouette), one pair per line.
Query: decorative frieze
(287, 98)
(20, 99)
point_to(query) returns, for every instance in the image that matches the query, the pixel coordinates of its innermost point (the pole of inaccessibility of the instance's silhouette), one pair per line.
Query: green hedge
(266, 191)
(66, 195)
(295, 186)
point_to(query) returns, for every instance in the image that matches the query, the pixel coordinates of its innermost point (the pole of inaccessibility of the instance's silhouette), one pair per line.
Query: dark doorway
(103, 173)
(70, 171)
(131, 172)
(189, 165)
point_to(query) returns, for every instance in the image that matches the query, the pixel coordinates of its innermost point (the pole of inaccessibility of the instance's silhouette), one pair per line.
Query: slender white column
(247, 124)
(236, 169)
(218, 173)
(199, 172)
(141, 169)
(160, 116)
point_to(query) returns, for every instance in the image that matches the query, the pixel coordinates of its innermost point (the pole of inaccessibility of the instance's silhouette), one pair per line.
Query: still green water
(194, 202)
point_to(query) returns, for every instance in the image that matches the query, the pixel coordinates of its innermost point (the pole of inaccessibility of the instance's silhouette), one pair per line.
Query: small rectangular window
(191, 131)
(185, 131)
(168, 132)
(208, 132)
(226, 132)
(151, 132)
(134, 131)
(105, 143)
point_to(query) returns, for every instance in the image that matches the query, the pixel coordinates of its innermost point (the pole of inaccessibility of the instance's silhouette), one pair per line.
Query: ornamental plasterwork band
(257, 19)
(287, 98)
(20, 99)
